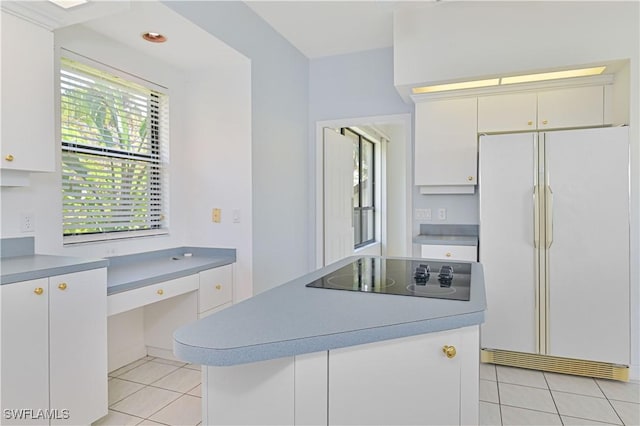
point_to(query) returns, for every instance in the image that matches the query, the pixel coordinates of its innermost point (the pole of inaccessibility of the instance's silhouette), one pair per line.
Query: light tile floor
(513, 396)
(154, 391)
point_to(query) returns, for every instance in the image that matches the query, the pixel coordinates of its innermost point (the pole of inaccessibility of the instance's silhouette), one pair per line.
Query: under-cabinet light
(583, 72)
(456, 86)
(529, 78)
(68, 4)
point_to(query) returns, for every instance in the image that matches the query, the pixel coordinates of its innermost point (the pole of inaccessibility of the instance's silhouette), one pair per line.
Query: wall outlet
(27, 222)
(442, 214)
(423, 214)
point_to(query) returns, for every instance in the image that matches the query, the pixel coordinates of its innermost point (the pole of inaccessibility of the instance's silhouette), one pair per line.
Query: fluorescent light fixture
(456, 86)
(583, 72)
(68, 4)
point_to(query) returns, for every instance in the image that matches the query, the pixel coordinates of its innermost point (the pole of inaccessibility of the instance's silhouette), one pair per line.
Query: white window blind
(114, 135)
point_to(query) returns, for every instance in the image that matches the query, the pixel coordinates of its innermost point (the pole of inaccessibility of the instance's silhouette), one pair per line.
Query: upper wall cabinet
(548, 109)
(28, 141)
(445, 159)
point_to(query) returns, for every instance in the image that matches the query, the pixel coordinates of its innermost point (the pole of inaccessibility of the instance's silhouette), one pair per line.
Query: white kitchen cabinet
(508, 112)
(28, 111)
(407, 380)
(24, 369)
(571, 107)
(54, 347)
(445, 158)
(542, 110)
(216, 288)
(449, 252)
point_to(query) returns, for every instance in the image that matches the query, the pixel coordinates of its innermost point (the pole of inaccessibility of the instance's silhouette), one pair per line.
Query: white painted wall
(210, 159)
(280, 101)
(449, 41)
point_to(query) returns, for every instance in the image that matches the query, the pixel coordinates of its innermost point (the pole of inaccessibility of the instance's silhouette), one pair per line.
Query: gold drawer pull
(530, 123)
(218, 287)
(62, 286)
(449, 351)
(448, 254)
(469, 178)
(38, 291)
(9, 157)
(544, 121)
(160, 292)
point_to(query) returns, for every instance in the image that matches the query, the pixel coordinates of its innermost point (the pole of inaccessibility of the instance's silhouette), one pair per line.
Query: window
(114, 134)
(363, 188)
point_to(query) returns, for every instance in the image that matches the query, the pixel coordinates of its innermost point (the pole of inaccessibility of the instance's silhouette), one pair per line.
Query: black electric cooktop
(402, 277)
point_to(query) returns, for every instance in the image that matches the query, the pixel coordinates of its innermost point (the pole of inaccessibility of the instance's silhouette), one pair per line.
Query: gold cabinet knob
(62, 286)
(9, 157)
(218, 287)
(449, 351)
(160, 292)
(544, 121)
(530, 123)
(448, 254)
(469, 178)
(38, 290)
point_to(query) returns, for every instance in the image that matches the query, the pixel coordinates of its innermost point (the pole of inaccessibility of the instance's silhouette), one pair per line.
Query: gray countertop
(293, 319)
(123, 272)
(140, 270)
(458, 235)
(31, 267)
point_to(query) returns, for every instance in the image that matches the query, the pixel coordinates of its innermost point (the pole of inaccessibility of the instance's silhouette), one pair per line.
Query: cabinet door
(78, 345)
(446, 142)
(589, 253)
(507, 113)
(24, 369)
(400, 381)
(27, 96)
(572, 107)
(216, 287)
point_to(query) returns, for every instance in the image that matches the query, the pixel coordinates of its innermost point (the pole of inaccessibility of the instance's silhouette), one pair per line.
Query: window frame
(359, 211)
(159, 169)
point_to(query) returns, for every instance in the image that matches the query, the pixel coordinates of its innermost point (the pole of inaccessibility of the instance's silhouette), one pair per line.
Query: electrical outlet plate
(442, 214)
(27, 222)
(216, 215)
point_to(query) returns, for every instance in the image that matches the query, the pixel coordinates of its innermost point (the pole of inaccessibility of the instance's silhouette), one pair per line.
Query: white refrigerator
(554, 243)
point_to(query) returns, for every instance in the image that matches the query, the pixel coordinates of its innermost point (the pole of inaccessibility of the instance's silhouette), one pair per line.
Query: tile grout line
(553, 398)
(610, 404)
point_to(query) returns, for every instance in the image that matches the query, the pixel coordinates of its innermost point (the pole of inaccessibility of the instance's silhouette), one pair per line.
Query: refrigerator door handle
(536, 216)
(549, 219)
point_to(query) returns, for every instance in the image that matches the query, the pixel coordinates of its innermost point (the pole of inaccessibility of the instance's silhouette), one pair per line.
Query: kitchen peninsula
(302, 355)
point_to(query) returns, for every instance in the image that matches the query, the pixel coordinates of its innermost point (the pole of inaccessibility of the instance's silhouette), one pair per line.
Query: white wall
(210, 127)
(357, 89)
(448, 41)
(279, 93)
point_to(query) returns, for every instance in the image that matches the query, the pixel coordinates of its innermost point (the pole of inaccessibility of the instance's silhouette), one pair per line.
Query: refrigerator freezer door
(588, 262)
(507, 252)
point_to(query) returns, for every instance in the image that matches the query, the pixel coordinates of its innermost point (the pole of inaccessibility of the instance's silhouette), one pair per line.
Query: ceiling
(326, 28)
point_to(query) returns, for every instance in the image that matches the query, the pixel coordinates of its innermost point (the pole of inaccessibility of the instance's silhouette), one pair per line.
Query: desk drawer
(127, 300)
(216, 287)
(468, 253)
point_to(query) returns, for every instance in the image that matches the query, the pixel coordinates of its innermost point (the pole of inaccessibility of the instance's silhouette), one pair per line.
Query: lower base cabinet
(53, 365)
(404, 381)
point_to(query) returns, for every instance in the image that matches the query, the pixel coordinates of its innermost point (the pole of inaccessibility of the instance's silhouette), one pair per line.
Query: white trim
(402, 119)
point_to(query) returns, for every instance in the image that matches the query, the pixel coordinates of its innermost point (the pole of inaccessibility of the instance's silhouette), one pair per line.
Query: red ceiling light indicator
(154, 37)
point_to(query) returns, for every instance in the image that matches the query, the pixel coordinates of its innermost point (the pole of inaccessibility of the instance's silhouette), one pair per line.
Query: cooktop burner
(403, 277)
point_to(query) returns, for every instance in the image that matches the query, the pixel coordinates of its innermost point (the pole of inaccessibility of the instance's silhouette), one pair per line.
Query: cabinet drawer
(132, 299)
(469, 253)
(216, 287)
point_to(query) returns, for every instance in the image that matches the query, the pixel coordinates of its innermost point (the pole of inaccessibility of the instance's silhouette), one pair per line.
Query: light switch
(236, 215)
(216, 215)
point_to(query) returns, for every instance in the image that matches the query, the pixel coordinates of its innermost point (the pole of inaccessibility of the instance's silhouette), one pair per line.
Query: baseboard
(162, 353)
